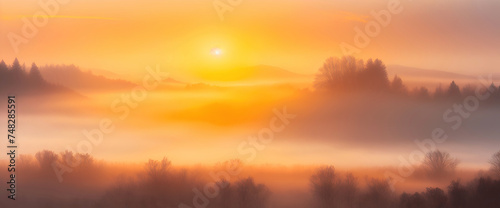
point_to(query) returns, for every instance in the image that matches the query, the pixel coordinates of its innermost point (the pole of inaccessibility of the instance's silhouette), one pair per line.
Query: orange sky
(298, 35)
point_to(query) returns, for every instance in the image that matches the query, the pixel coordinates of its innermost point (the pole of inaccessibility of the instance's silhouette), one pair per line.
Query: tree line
(332, 190)
(16, 74)
(349, 74)
(160, 184)
(17, 79)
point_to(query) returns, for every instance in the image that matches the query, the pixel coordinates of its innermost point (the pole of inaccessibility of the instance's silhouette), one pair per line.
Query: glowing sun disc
(216, 51)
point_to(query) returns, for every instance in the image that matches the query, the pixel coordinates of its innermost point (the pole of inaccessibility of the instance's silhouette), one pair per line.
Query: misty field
(159, 183)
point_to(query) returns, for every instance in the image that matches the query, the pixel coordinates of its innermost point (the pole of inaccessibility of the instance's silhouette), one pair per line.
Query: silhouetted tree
(35, 77)
(158, 186)
(349, 73)
(45, 160)
(495, 92)
(339, 73)
(251, 195)
(349, 187)
(4, 70)
(378, 195)
(453, 90)
(374, 76)
(16, 66)
(17, 71)
(405, 200)
(432, 198)
(225, 199)
(15, 80)
(78, 160)
(397, 85)
(457, 194)
(439, 164)
(495, 164)
(324, 184)
(435, 197)
(492, 87)
(415, 200)
(486, 194)
(3, 67)
(156, 170)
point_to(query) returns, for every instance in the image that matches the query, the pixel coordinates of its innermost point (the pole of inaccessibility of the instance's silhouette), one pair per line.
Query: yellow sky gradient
(297, 35)
(208, 124)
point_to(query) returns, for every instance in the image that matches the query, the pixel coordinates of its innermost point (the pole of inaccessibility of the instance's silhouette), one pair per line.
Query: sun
(216, 51)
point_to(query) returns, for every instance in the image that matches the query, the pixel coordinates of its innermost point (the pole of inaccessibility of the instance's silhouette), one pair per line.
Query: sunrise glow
(323, 103)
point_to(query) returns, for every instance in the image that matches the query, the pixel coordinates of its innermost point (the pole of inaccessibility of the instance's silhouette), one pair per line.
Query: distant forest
(337, 75)
(16, 79)
(348, 74)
